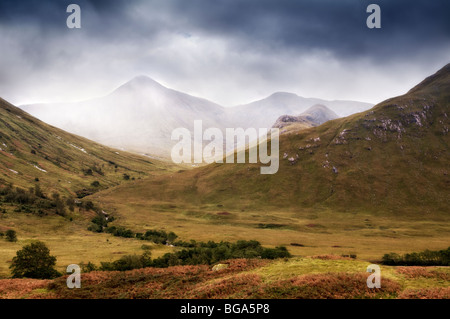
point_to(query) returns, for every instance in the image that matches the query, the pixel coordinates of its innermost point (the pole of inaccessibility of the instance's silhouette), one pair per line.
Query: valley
(356, 187)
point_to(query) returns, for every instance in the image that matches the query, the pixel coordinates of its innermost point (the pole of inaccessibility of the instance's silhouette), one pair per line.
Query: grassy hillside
(371, 183)
(33, 152)
(38, 156)
(393, 158)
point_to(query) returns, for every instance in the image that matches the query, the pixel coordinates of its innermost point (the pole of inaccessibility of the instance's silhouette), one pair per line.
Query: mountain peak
(140, 83)
(143, 79)
(283, 95)
(319, 114)
(315, 115)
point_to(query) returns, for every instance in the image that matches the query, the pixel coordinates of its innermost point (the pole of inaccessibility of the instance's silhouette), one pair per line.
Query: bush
(211, 252)
(11, 235)
(159, 236)
(128, 262)
(202, 254)
(95, 184)
(34, 261)
(120, 231)
(424, 258)
(88, 267)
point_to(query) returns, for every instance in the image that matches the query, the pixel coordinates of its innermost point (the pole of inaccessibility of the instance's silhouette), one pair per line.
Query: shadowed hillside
(33, 152)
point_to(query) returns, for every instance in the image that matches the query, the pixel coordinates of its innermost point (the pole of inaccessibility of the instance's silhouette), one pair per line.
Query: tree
(11, 235)
(34, 261)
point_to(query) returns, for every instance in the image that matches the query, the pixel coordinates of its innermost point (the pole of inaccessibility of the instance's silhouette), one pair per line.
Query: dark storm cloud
(214, 48)
(336, 26)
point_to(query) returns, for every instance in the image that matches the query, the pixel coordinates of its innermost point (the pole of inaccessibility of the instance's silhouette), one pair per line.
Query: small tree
(34, 261)
(11, 235)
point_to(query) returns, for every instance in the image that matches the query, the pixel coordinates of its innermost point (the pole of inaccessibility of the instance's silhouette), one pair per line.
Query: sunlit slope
(393, 158)
(33, 152)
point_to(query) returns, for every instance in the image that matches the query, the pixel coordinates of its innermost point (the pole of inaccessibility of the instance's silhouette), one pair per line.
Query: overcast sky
(228, 51)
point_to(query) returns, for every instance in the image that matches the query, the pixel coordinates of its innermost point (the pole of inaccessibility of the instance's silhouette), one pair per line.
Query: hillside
(32, 152)
(393, 158)
(370, 183)
(51, 172)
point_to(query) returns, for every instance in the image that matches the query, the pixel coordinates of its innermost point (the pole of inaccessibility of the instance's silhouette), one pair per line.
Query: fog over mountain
(140, 115)
(314, 116)
(265, 112)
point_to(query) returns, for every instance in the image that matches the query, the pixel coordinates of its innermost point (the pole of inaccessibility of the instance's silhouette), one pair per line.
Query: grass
(324, 231)
(70, 242)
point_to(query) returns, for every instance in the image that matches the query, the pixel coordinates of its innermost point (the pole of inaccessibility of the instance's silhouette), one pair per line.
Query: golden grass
(70, 242)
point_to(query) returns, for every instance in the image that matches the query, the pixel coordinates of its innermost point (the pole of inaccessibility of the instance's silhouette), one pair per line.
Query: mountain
(140, 115)
(33, 152)
(391, 159)
(314, 116)
(265, 112)
(319, 114)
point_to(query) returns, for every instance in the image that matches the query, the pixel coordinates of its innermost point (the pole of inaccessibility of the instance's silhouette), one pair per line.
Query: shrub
(128, 262)
(159, 236)
(211, 252)
(120, 231)
(11, 235)
(95, 184)
(88, 267)
(424, 258)
(34, 261)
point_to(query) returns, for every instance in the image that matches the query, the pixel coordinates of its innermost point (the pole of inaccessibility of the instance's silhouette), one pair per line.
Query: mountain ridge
(140, 115)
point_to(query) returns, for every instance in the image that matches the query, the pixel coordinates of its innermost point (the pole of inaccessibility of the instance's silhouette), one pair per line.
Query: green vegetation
(202, 254)
(100, 222)
(424, 258)
(211, 252)
(34, 201)
(128, 262)
(159, 237)
(120, 232)
(11, 235)
(34, 261)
